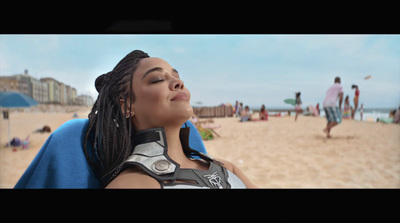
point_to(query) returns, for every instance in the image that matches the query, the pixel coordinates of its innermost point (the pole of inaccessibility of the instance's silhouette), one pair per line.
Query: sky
(253, 69)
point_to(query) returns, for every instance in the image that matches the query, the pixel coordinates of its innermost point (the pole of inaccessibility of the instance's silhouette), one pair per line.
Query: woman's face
(161, 99)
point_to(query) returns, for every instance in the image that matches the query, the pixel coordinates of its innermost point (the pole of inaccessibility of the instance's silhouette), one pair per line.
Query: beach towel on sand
(61, 162)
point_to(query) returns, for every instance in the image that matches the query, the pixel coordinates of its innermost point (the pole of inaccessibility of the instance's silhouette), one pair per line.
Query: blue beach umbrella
(10, 99)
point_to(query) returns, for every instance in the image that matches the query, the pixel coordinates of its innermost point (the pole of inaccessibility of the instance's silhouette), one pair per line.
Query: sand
(13, 164)
(282, 153)
(279, 153)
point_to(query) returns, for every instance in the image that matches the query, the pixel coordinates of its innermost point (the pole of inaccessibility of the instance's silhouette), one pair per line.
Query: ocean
(369, 113)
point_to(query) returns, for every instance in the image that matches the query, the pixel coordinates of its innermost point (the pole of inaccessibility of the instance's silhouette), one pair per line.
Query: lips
(181, 96)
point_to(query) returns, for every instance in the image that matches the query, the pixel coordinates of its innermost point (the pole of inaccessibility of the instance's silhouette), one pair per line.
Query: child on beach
(346, 109)
(332, 111)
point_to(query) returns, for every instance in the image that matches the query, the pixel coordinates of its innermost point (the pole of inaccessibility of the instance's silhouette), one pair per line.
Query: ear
(128, 109)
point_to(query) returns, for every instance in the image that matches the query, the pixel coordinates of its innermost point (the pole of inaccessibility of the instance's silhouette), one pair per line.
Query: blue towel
(61, 162)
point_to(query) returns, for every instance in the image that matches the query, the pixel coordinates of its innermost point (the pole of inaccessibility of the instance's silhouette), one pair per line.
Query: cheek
(149, 99)
(149, 103)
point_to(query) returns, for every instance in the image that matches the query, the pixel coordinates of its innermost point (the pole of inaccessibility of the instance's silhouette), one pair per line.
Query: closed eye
(157, 81)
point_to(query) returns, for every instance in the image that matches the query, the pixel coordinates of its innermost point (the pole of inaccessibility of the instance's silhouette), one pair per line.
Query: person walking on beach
(298, 106)
(333, 112)
(355, 100)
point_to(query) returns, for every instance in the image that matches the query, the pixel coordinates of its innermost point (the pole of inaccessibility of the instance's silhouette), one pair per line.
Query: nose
(176, 84)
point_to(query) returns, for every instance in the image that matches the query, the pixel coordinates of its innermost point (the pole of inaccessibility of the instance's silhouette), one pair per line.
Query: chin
(187, 112)
(176, 116)
(183, 114)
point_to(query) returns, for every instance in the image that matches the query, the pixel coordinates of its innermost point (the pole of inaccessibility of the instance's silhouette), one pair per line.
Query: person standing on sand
(347, 108)
(333, 113)
(237, 108)
(297, 108)
(355, 100)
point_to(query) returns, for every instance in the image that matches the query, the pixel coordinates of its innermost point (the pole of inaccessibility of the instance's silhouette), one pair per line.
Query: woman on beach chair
(134, 137)
(61, 162)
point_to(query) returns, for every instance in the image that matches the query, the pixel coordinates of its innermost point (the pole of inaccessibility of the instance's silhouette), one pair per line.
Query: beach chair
(61, 162)
(202, 125)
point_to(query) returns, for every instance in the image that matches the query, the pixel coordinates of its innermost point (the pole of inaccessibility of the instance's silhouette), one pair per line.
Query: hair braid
(109, 132)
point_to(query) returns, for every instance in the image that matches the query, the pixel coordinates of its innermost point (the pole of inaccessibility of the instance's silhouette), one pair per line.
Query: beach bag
(15, 142)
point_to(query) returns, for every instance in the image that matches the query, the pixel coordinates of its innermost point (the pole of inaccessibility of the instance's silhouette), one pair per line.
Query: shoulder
(226, 164)
(234, 169)
(231, 167)
(339, 87)
(133, 178)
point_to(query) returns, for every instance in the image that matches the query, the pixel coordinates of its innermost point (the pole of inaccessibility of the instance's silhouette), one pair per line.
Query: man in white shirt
(333, 112)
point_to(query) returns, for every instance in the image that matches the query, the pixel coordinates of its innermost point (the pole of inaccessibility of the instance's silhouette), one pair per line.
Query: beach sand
(282, 153)
(13, 164)
(279, 153)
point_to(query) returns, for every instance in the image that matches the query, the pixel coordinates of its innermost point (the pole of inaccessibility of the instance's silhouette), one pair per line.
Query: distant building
(53, 90)
(73, 95)
(45, 90)
(85, 100)
(25, 84)
(8, 83)
(63, 93)
(40, 91)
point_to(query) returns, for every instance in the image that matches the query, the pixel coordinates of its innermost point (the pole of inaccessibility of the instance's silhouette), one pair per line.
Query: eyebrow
(157, 69)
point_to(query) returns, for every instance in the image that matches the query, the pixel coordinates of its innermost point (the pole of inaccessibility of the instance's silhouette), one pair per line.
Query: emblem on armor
(161, 166)
(214, 179)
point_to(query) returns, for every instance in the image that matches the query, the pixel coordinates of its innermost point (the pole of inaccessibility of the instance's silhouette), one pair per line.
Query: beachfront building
(53, 91)
(25, 84)
(39, 91)
(73, 95)
(44, 90)
(85, 100)
(63, 93)
(8, 83)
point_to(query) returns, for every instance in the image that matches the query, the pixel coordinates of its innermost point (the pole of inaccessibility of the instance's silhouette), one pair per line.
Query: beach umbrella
(290, 101)
(10, 99)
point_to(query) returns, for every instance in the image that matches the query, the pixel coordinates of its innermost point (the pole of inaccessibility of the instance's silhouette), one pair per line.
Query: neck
(175, 150)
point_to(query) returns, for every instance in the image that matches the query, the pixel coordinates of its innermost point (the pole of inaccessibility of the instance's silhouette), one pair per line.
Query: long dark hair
(108, 138)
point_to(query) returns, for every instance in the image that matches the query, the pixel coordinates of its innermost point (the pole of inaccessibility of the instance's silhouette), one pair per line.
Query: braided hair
(108, 138)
